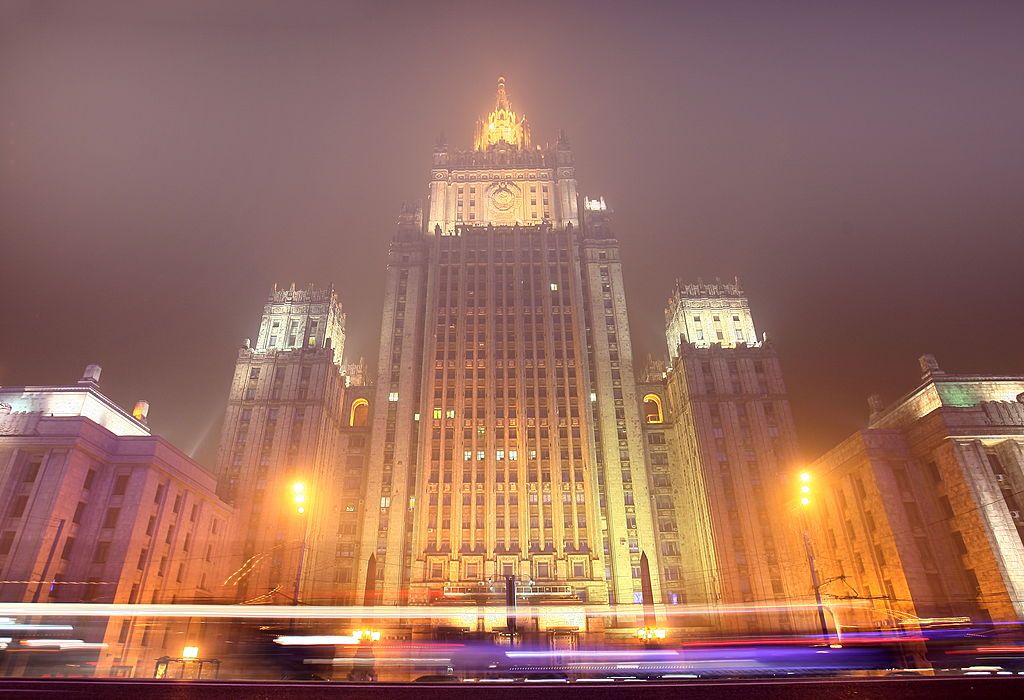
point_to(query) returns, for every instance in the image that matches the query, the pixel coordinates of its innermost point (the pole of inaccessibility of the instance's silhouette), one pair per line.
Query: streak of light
(316, 640)
(9, 623)
(594, 654)
(389, 661)
(347, 612)
(62, 644)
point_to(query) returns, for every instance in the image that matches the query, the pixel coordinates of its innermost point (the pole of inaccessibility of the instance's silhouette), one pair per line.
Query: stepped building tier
(503, 181)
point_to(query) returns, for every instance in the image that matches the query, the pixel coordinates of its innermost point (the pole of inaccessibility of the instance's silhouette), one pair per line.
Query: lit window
(554, 286)
(450, 413)
(437, 414)
(393, 396)
(513, 455)
(385, 501)
(499, 455)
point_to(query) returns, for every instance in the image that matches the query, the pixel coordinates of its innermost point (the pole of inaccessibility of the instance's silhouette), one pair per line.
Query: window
(89, 476)
(359, 413)
(101, 553)
(110, 520)
(6, 540)
(652, 409)
(79, 509)
(18, 507)
(393, 396)
(436, 570)
(31, 472)
(69, 546)
(121, 485)
(543, 570)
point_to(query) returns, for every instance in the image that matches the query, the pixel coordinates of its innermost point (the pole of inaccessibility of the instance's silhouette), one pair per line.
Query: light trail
(329, 612)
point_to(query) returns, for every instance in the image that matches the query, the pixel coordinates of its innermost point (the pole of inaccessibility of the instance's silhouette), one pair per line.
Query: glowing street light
(299, 501)
(805, 488)
(805, 501)
(190, 653)
(299, 497)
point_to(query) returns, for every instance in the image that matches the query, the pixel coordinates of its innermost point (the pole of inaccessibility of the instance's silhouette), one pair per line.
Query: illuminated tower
(506, 435)
(737, 452)
(504, 180)
(282, 426)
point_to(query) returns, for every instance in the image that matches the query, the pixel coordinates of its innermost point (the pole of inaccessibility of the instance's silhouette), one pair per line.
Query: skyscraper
(506, 436)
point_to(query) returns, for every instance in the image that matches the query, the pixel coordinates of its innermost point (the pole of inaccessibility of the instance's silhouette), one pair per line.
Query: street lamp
(805, 502)
(805, 489)
(299, 497)
(299, 502)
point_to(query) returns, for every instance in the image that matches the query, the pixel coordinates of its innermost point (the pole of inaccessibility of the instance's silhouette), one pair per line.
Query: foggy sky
(858, 165)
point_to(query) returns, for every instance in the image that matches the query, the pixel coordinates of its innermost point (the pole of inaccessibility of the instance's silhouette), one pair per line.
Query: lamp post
(299, 501)
(805, 502)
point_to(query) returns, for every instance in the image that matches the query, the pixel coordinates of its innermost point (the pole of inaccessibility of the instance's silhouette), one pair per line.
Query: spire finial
(501, 100)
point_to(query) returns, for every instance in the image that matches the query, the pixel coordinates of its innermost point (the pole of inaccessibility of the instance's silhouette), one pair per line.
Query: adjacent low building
(920, 512)
(94, 508)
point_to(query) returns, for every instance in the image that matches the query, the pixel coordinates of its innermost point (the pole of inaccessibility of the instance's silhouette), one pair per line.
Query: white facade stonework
(922, 507)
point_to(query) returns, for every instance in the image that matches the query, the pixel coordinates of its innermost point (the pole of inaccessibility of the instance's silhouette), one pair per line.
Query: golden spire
(502, 126)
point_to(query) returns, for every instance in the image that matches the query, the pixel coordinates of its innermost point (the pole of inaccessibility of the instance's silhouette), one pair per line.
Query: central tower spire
(502, 126)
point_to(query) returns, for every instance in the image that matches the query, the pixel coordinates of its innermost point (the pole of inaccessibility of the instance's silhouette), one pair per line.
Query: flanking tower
(737, 457)
(282, 427)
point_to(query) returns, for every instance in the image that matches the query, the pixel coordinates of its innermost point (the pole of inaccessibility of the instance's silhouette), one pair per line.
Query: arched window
(652, 409)
(357, 416)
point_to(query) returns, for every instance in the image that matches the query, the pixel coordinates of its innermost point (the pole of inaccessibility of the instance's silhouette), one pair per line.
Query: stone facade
(702, 315)
(95, 509)
(921, 510)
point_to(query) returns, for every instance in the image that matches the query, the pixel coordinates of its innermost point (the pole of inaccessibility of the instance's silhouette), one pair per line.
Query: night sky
(860, 166)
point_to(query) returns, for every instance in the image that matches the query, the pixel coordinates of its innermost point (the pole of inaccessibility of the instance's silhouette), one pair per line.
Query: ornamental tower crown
(502, 126)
